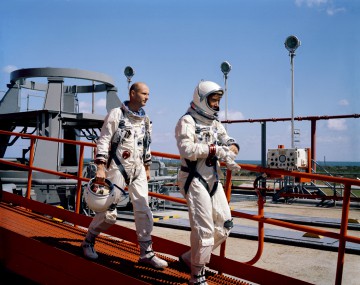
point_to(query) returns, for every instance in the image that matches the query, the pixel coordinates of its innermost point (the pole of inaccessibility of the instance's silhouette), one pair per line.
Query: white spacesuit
(129, 135)
(203, 141)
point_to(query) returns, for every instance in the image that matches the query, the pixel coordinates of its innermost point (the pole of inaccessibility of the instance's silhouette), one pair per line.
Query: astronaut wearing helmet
(201, 96)
(202, 142)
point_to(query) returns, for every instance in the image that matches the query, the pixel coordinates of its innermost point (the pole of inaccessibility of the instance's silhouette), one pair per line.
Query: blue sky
(174, 44)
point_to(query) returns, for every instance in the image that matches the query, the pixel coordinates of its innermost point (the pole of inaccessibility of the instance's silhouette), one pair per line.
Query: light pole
(291, 44)
(129, 73)
(225, 68)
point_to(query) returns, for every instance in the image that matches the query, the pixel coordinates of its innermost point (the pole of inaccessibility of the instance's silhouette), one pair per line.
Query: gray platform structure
(59, 117)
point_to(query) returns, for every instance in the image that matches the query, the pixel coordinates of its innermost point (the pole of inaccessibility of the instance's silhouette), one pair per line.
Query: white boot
(147, 256)
(197, 275)
(88, 246)
(185, 259)
(88, 249)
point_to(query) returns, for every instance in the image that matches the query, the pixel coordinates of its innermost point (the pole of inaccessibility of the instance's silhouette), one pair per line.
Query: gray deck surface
(282, 236)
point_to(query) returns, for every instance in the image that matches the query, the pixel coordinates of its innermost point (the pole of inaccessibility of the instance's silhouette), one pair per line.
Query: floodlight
(225, 67)
(129, 72)
(292, 43)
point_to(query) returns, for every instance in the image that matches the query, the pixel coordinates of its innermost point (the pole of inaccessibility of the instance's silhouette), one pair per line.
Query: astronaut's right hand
(223, 153)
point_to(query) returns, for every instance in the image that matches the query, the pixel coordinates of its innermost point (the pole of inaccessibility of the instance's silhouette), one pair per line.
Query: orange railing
(343, 237)
(30, 167)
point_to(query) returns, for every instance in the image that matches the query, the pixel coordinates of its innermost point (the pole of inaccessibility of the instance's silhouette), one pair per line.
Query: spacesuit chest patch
(206, 134)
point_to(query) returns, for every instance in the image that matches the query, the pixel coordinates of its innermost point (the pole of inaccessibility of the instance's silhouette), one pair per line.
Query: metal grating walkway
(48, 252)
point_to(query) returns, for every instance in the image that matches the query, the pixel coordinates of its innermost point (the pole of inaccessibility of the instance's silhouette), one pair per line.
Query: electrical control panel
(288, 159)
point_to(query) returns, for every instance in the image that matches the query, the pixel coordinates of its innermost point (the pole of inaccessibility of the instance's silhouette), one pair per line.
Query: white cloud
(328, 5)
(337, 124)
(162, 137)
(231, 115)
(9, 68)
(163, 142)
(344, 102)
(332, 11)
(101, 103)
(311, 3)
(86, 107)
(160, 112)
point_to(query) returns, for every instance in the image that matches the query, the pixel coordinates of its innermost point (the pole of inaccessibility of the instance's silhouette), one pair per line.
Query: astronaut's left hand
(233, 166)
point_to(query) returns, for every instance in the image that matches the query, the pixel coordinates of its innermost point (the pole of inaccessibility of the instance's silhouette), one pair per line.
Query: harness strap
(121, 167)
(152, 254)
(112, 153)
(191, 169)
(122, 190)
(214, 188)
(217, 178)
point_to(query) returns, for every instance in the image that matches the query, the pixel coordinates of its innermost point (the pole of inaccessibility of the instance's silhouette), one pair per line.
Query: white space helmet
(99, 197)
(200, 102)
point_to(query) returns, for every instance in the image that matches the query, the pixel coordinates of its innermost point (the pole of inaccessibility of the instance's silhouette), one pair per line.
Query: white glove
(232, 165)
(222, 152)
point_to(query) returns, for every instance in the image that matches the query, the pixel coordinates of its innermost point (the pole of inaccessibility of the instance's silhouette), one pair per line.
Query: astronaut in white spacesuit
(202, 142)
(126, 132)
